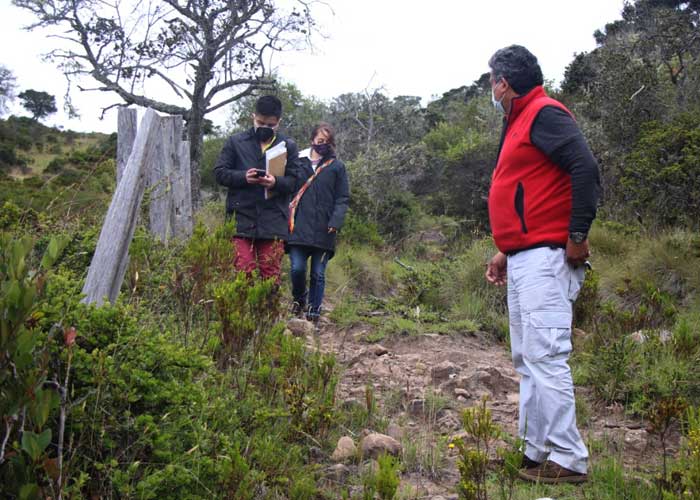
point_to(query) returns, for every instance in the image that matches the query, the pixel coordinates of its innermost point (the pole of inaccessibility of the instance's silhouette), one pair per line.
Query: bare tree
(204, 54)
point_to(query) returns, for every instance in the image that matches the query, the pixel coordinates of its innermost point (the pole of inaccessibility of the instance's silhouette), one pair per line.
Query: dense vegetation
(188, 387)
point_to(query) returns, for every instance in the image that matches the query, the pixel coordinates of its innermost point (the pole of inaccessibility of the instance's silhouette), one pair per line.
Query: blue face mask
(498, 103)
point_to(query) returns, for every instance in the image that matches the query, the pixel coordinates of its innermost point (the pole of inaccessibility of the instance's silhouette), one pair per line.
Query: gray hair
(518, 66)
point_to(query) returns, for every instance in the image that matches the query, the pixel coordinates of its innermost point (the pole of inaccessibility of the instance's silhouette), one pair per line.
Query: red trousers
(263, 255)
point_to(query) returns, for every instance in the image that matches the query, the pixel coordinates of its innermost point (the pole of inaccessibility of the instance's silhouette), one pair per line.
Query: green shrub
(661, 176)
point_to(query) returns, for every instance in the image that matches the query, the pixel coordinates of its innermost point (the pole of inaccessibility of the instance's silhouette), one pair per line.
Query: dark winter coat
(323, 205)
(256, 217)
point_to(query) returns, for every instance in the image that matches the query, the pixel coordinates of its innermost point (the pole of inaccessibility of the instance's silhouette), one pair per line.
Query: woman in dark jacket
(317, 212)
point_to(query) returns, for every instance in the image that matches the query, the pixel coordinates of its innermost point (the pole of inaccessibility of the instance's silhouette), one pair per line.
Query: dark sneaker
(551, 473)
(529, 463)
(313, 318)
(297, 309)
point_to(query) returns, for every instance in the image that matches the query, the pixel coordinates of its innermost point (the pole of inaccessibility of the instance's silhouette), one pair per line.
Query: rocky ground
(420, 385)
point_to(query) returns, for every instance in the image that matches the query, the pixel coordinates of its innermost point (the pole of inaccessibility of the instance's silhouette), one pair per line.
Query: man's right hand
(251, 176)
(496, 269)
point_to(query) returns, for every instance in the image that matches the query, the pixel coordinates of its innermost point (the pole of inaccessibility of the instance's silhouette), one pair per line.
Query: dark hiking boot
(551, 473)
(529, 463)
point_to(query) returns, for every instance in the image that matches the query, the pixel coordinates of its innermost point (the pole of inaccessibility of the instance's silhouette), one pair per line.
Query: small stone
(443, 371)
(300, 327)
(344, 450)
(338, 473)
(376, 444)
(316, 454)
(416, 407)
(665, 336)
(638, 337)
(378, 350)
(462, 392)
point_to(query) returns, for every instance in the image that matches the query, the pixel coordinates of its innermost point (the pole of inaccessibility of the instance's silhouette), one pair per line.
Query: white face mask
(498, 103)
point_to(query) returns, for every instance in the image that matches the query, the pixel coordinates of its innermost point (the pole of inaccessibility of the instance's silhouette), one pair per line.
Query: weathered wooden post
(108, 265)
(160, 177)
(182, 194)
(126, 134)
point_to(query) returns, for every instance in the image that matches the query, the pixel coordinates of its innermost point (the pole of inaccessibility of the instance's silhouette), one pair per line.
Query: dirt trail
(422, 383)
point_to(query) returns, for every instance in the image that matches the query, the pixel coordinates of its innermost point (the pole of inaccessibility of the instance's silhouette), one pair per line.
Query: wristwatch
(578, 237)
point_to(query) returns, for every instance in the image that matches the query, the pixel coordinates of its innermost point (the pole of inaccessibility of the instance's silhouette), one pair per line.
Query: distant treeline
(636, 97)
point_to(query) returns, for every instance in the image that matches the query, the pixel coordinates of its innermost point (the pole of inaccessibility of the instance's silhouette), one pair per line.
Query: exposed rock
(344, 450)
(636, 440)
(490, 379)
(443, 371)
(416, 407)
(462, 392)
(338, 473)
(375, 444)
(380, 369)
(395, 431)
(300, 327)
(448, 421)
(378, 350)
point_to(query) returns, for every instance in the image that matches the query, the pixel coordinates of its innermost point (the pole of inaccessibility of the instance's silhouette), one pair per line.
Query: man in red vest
(542, 202)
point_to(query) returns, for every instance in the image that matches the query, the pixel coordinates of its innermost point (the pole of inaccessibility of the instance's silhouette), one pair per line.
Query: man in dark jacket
(542, 202)
(258, 200)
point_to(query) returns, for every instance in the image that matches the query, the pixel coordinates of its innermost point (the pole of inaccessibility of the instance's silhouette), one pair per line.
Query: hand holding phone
(259, 172)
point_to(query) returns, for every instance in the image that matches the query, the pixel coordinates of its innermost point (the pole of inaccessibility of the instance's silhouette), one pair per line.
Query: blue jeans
(298, 256)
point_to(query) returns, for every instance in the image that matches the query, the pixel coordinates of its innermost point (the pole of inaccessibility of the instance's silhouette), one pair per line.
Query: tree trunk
(196, 138)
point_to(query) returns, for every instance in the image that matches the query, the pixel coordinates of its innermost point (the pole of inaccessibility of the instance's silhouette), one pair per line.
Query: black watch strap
(578, 237)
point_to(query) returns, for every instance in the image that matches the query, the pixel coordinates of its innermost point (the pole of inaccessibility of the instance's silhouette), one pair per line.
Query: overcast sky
(405, 47)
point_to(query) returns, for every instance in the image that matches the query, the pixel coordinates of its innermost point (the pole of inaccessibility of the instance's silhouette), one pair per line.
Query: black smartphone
(260, 172)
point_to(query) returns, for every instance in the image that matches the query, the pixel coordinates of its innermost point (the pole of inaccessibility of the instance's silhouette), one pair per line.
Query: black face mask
(264, 134)
(323, 149)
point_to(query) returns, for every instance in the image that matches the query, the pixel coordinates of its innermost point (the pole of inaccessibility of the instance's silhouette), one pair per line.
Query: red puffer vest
(530, 196)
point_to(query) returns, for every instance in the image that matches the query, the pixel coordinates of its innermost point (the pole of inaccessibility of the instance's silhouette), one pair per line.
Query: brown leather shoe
(529, 463)
(551, 473)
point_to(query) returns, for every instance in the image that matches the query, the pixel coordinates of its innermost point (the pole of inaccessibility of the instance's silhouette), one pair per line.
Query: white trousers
(542, 287)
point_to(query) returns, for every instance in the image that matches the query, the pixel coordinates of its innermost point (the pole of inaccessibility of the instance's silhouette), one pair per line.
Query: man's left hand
(268, 181)
(577, 253)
